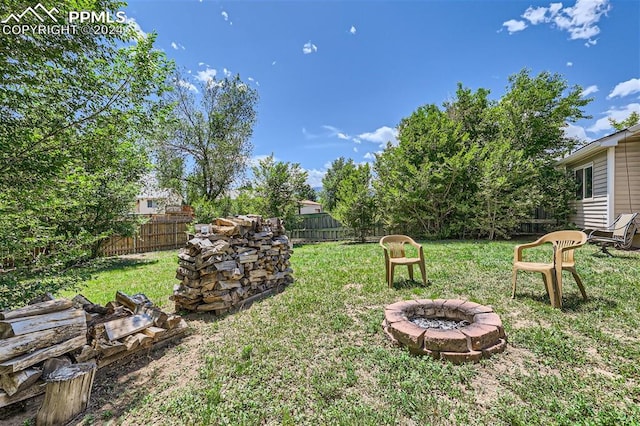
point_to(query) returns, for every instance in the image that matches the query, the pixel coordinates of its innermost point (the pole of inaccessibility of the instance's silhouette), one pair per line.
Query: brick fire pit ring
(479, 333)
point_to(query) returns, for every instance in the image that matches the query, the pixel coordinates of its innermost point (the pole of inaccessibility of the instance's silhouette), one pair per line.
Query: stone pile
(231, 263)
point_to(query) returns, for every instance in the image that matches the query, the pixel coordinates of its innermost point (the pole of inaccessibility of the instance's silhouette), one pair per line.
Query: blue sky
(336, 77)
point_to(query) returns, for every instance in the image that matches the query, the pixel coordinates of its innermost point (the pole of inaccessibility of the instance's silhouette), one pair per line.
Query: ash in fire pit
(451, 329)
(439, 323)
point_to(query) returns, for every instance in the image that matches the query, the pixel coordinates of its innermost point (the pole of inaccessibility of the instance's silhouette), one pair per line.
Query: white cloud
(569, 64)
(226, 72)
(309, 48)
(177, 46)
(335, 132)
(355, 149)
(513, 26)
(535, 15)
(625, 88)
(225, 15)
(370, 156)
(206, 75)
(201, 64)
(579, 20)
(618, 114)
(381, 136)
(190, 86)
(273, 63)
(353, 30)
(575, 132)
(589, 90)
(131, 22)
(314, 177)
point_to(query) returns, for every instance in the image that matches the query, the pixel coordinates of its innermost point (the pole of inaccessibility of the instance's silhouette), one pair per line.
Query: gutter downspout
(611, 187)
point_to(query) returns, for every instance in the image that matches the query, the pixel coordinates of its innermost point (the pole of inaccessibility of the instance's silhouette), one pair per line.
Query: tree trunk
(68, 392)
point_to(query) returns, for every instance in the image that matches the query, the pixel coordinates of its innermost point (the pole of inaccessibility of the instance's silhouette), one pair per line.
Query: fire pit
(451, 329)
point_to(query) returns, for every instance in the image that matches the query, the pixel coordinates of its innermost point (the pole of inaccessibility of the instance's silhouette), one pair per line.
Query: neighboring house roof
(600, 144)
(309, 203)
(151, 191)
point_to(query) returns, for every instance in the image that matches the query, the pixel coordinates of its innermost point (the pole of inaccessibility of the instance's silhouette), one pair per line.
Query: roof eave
(599, 145)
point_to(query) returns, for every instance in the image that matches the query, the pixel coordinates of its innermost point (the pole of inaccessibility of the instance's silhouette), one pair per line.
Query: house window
(584, 181)
(151, 204)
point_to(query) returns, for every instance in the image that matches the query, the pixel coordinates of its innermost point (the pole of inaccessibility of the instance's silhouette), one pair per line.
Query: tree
(631, 120)
(277, 188)
(502, 202)
(535, 110)
(357, 207)
(424, 182)
(73, 108)
(479, 167)
(210, 133)
(337, 172)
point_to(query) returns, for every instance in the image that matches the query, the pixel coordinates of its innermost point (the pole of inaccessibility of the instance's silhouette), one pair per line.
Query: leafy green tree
(337, 172)
(205, 142)
(73, 108)
(631, 120)
(306, 192)
(534, 111)
(423, 183)
(479, 167)
(507, 190)
(357, 207)
(277, 187)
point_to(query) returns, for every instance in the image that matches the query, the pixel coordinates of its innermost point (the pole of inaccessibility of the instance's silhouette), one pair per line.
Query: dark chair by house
(394, 254)
(564, 243)
(619, 234)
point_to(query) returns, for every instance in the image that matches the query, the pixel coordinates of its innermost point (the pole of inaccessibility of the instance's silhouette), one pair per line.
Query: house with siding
(309, 207)
(607, 172)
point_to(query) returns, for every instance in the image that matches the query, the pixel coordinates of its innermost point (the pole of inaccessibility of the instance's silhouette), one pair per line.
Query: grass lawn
(316, 354)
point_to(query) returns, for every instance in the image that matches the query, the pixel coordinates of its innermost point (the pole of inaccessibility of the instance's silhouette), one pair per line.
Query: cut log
(180, 329)
(79, 301)
(18, 345)
(159, 317)
(154, 332)
(110, 348)
(52, 364)
(31, 324)
(35, 390)
(67, 394)
(27, 360)
(134, 341)
(123, 327)
(173, 321)
(127, 301)
(16, 382)
(86, 353)
(37, 309)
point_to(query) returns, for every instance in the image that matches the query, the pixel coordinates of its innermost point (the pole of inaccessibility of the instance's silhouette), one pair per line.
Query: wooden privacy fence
(323, 227)
(151, 236)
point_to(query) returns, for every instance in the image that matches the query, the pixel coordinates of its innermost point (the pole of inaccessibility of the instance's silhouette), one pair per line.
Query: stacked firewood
(124, 326)
(32, 336)
(38, 339)
(231, 263)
